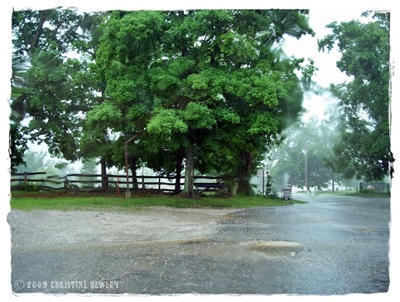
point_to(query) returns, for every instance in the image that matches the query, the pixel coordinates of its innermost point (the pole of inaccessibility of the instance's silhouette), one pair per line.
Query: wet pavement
(345, 243)
(332, 245)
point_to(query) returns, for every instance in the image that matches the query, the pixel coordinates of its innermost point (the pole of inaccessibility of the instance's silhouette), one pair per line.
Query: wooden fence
(93, 182)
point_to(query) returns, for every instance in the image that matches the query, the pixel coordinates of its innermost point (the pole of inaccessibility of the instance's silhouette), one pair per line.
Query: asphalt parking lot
(328, 246)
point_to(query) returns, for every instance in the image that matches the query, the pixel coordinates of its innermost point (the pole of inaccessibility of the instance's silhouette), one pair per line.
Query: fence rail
(94, 182)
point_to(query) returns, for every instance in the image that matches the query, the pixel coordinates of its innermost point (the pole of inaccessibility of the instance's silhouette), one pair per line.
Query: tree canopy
(364, 100)
(48, 88)
(203, 89)
(197, 81)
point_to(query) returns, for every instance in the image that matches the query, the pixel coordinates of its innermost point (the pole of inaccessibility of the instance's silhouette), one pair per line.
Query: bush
(30, 187)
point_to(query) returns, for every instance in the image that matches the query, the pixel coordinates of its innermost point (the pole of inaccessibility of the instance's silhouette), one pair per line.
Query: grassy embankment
(364, 193)
(57, 201)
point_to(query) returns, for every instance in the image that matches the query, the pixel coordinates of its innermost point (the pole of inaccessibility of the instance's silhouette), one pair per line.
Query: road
(331, 245)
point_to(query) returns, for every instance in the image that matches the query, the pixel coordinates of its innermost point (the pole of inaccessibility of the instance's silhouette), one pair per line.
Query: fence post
(159, 183)
(118, 192)
(25, 178)
(66, 184)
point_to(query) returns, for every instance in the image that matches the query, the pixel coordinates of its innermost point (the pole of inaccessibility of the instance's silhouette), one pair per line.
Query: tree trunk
(178, 169)
(104, 177)
(189, 172)
(126, 161)
(244, 185)
(134, 175)
(35, 41)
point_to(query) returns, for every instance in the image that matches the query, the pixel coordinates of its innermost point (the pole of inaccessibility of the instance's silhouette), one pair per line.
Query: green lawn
(364, 194)
(48, 201)
(370, 194)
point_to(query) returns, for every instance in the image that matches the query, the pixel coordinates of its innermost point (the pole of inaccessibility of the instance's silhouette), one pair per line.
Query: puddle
(275, 247)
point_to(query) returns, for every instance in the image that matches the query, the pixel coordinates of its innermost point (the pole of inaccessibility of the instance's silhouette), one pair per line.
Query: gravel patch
(58, 229)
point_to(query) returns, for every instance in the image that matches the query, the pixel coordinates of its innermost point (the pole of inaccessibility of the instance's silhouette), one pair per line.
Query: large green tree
(174, 88)
(233, 94)
(127, 47)
(47, 87)
(364, 99)
(195, 82)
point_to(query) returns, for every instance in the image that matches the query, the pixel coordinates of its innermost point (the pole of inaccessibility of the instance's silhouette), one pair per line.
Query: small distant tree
(89, 167)
(268, 187)
(306, 156)
(33, 162)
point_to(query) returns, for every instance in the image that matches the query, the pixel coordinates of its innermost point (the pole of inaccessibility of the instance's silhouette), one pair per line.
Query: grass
(364, 193)
(51, 201)
(320, 192)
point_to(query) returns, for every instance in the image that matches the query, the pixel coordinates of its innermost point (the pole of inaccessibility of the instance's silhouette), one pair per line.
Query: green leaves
(364, 100)
(169, 121)
(133, 35)
(265, 91)
(181, 78)
(226, 116)
(51, 89)
(199, 116)
(264, 125)
(166, 122)
(104, 113)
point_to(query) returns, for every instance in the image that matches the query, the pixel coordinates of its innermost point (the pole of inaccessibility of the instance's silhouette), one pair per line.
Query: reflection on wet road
(344, 239)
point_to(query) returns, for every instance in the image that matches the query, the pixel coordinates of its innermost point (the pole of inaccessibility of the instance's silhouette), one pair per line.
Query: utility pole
(305, 167)
(263, 182)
